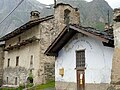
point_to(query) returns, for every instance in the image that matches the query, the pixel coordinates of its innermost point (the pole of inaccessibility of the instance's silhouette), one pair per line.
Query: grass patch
(50, 84)
(19, 88)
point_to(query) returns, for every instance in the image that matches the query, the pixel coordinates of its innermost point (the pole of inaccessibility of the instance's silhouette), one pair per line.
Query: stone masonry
(115, 77)
(1, 63)
(43, 66)
(59, 23)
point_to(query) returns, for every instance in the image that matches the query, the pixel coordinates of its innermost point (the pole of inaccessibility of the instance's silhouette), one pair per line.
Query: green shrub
(29, 85)
(0, 82)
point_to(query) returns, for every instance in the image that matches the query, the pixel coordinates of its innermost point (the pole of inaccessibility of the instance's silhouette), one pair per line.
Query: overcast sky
(112, 3)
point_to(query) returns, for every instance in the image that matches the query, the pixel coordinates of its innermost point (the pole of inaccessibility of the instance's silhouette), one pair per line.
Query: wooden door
(80, 80)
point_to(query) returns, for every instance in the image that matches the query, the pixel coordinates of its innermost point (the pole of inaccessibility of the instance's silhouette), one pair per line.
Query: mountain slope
(19, 16)
(92, 13)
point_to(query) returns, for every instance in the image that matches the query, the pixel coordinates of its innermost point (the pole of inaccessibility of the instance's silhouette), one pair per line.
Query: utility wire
(11, 11)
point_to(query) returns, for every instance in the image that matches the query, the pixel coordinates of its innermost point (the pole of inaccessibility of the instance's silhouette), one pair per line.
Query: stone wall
(74, 17)
(115, 77)
(46, 38)
(24, 52)
(49, 30)
(1, 63)
(20, 72)
(44, 32)
(49, 71)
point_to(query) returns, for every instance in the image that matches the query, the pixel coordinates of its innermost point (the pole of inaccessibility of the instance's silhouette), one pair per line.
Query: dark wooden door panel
(80, 80)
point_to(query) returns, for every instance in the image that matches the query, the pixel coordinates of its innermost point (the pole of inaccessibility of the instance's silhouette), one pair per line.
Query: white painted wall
(98, 60)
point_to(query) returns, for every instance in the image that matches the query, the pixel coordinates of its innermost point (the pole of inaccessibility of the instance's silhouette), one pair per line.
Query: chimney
(34, 15)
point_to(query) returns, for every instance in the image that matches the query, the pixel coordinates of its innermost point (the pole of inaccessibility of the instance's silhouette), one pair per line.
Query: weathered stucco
(98, 60)
(41, 31)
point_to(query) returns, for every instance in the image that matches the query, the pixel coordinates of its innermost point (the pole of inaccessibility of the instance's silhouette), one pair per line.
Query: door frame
(80, 79)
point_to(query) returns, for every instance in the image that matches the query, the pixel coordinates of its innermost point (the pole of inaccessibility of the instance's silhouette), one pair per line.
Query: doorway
(80, 69)
(80, 79)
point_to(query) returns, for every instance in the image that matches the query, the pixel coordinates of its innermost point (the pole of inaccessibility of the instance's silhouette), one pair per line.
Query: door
(80, 80)
(80, 69)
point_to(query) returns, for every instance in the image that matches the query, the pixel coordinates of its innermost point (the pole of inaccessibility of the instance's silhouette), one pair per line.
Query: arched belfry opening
(66, 16)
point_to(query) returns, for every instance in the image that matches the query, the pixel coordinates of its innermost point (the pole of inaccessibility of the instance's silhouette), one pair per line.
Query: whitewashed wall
(98, 60)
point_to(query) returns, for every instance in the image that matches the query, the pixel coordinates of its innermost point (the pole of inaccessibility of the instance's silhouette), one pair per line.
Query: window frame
(81, 65)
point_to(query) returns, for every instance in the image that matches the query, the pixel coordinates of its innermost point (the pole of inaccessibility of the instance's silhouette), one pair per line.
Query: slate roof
(102, 34)
(25, 27)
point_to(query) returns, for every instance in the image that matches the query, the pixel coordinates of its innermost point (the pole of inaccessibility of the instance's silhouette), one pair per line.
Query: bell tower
(65, 14)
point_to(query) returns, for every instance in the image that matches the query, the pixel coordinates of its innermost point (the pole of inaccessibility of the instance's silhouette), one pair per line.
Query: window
(19, 39)
(80, 58)
(8, 62)
(15, 80)
(7, 80)
(17, 60)
(66, 16)
(31, 60)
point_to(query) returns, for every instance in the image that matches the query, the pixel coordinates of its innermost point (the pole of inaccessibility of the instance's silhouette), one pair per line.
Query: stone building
(1, 63)
(115, 78)
(25, 46)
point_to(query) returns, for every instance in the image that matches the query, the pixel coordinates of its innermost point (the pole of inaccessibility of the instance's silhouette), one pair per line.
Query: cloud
(112, 3)
(46, 1)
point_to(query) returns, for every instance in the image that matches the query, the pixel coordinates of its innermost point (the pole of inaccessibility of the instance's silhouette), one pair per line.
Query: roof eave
(25, 27)
(49, 50)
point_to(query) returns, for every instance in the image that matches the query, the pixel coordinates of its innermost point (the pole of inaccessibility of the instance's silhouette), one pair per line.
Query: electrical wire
(12, 11)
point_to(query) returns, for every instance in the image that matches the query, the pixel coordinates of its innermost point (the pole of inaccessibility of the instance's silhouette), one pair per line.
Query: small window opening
(8, 62)
(15, 80)
(66, 16)
(7, 80)
(19, 39)
(17, 60)
(31, 60)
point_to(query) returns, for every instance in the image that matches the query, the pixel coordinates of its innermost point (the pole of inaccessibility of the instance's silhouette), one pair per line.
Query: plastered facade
(35, 49)
(98, 63)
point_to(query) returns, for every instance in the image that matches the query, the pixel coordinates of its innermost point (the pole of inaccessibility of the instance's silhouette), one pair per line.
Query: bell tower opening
(66, 16)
